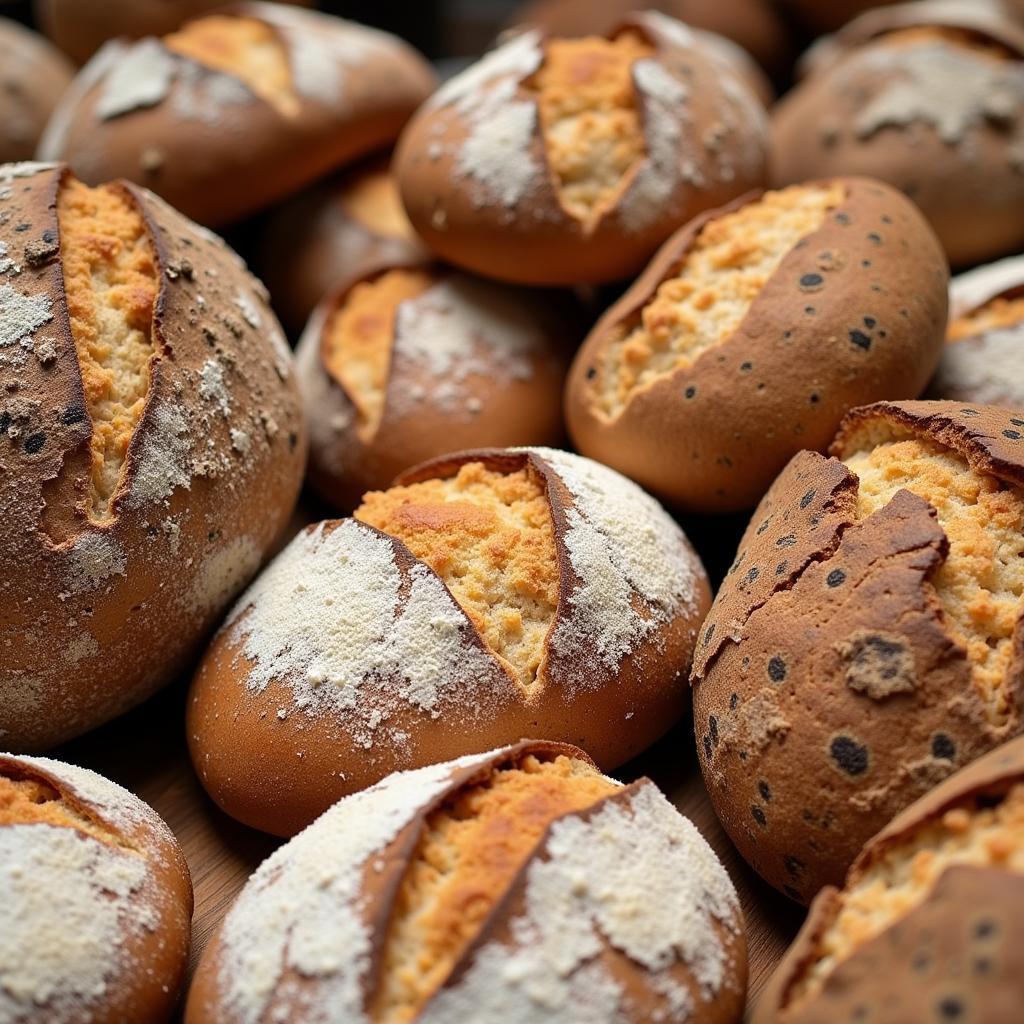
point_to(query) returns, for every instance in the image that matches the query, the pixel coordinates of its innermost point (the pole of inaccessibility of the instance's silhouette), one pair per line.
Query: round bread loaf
(95, 900)
(926, 97)
(930, 923)
(867, 640)
(752, 24)
(333, 232)
(237, 109)
(751, 334)
(487, 596)
(411, 362)
(33, 75)
(511, 887)
(983, 361)
(151, 446)
(584, 154)
(81, 27)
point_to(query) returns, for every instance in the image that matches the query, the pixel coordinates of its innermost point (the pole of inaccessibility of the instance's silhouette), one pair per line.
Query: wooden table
(145, 752)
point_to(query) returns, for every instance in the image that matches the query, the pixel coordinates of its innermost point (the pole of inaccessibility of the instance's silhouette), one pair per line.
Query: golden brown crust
(872, 279)
(214, 148)
(33, 76)
(457, 194)
(971, 915)
(221, 424)
(801, 784)
(131, 848)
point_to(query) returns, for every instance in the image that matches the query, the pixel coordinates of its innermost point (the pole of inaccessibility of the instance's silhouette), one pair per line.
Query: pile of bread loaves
(595, 282)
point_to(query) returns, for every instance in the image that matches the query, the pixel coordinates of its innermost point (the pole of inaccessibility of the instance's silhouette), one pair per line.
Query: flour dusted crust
(213, 148)
(474, 161)
(331, 233)
(95, 900)
(211, 470)
(969, 914)
(983, 361)
(472, 362)
(33, 75)
(621, 912)
(830, 686)
(854, 312)
(349, 658)
(925, 96)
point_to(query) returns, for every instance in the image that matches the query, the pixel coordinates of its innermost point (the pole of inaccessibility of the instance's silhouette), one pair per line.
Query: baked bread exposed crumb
(373, 200)
(32, 802)
(999, 313)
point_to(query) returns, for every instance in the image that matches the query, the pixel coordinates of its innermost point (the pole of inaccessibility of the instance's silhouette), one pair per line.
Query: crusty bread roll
(81, 27)
(237, 109)
(930, 923)
(95, 900)
(582, 154)
(413, 361)
(868, 640)
(983, 361)
(751, 24)
(333, 232)
(33, 75)
(510, 887)
(925, 96)
(751, 334)
(151, 446)
(487, 596)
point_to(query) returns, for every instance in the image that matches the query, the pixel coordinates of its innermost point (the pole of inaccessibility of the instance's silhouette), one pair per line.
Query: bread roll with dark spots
(485, 596)
(95, 900)
(751, 334)
(925, 96)
(867, 641)
(517, 886)
(930, 923)
(237, 109)
(152, 446)
(581, 155)
(410, 362)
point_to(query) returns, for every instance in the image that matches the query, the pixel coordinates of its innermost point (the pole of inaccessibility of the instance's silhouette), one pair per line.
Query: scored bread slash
(486, 596)
(943, 883)
(238, 108)
(95, 885)
(867, 640)
(590, 901)
(149, 401)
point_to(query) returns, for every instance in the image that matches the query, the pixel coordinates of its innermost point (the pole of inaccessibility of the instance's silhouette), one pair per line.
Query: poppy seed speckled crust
(971, 914)
(781, 380)
(879, 700)
(133, 568)
(926, 97)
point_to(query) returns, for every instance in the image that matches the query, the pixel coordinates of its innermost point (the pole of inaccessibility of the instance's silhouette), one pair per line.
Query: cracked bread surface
(997, 314)
(471, 849)
(489, 536)
(590, 118)
(111, 282)
(29, 801)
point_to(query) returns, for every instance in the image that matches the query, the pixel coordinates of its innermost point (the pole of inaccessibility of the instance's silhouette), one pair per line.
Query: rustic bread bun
(751, 334)
(930, 923)
(487, 596)
(926, 97)
(584, 154)
(237, 109)
(751, 24)
(33, 75)
(333, 232)
(412, 361)
(81, 27)
(510, 887)
(151, 446)
(95, 900)
(983, 362)
(867, 641)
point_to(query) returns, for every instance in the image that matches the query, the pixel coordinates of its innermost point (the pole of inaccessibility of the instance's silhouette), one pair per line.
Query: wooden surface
(145, 752)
